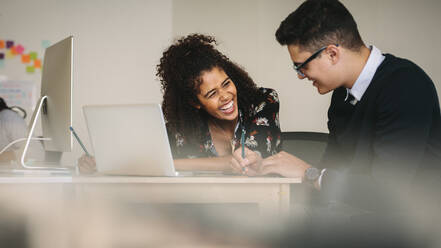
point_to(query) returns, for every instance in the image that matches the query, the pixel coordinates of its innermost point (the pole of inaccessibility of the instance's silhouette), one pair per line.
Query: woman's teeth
(227, 107)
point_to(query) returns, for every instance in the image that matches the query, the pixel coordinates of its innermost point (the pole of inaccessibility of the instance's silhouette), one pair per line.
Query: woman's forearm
(205, 164)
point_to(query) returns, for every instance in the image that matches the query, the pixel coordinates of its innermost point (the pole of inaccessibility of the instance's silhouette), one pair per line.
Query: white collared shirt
(362, 83)
(366, 75)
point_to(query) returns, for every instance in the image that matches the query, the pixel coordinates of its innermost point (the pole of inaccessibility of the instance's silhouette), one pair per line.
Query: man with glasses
(384, 147)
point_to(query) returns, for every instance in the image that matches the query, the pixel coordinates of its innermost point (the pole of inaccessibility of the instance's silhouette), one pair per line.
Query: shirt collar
(366, 75)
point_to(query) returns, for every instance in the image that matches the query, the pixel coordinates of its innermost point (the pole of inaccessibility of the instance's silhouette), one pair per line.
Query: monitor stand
(52, 156)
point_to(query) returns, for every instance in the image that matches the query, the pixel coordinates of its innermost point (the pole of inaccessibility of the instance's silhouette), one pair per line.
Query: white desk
(270, 193)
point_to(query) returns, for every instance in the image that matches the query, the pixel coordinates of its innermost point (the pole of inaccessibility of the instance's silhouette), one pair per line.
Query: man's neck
(357, 61)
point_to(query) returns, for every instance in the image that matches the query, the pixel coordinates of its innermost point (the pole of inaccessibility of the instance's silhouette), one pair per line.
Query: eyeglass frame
(298, 68)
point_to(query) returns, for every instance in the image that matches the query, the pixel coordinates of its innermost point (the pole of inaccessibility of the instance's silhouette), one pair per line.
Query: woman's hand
(7, 156)
(87, 164)
(250, 165)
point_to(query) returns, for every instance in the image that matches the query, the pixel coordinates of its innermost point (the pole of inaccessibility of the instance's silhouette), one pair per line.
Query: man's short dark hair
(317, 23)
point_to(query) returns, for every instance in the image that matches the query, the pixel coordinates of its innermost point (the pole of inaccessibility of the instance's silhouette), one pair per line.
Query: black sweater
(389, 142)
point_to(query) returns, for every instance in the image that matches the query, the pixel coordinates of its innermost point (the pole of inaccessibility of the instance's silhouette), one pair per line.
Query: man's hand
(250, 165)
(284, 164)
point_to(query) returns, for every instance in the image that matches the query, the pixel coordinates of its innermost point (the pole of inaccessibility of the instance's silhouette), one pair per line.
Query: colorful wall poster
(10, 50)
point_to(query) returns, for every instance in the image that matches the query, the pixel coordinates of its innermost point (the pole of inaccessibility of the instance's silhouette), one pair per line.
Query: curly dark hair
(17, 109)
(3, 104)
(180, 70)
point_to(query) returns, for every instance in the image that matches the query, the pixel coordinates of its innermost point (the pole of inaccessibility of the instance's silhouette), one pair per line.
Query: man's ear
(334, 53)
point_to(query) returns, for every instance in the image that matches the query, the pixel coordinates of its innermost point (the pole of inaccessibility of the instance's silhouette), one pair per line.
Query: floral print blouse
(262, 134)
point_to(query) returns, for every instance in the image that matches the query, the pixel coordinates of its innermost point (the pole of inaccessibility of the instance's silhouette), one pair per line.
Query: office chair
(308, 146)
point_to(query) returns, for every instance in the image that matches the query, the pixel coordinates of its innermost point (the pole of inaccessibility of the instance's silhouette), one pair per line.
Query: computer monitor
(55, 104)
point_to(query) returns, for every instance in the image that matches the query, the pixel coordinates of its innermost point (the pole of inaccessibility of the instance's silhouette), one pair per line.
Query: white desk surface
(272, 194)
(138, 179)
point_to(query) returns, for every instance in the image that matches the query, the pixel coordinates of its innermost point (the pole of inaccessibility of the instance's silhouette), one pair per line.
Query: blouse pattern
(262, 134)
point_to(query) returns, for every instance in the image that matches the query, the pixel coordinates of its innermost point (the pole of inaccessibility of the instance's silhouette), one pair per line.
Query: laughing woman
(210, 104)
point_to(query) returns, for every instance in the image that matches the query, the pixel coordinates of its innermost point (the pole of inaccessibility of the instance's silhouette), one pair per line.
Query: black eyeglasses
(298, 66)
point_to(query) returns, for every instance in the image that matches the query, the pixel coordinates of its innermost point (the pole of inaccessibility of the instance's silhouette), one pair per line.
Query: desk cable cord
(19, 140)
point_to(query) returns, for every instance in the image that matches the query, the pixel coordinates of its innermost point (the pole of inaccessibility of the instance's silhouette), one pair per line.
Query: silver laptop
(129, 139)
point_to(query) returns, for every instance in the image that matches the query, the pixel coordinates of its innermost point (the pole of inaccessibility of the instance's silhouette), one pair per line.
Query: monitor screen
(56, 85)
(55, 104)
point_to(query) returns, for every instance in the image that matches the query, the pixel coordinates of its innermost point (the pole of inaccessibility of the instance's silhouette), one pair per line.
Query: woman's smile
(228, 108)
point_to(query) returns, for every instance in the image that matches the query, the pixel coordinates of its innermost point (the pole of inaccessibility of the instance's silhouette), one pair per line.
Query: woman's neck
(224, 125)
(222, 133)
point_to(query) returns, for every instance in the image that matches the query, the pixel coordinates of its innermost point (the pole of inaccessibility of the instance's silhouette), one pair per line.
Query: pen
(79, 141)
(242, 143)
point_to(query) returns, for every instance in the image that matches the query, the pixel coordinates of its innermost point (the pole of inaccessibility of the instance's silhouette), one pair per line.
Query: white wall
(117, 45)
(245, 28)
